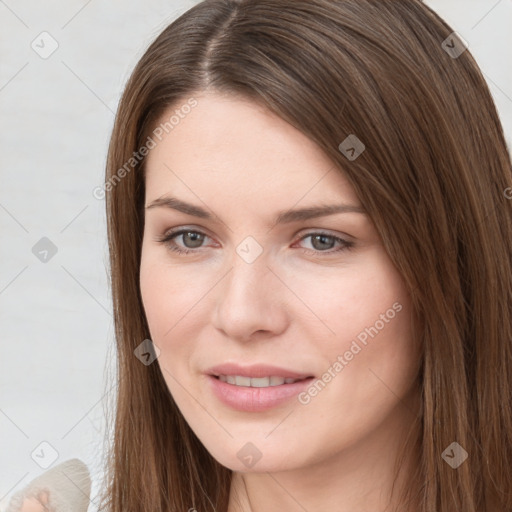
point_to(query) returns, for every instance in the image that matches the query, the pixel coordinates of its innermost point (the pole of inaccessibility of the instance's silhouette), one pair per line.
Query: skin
(35, 505)
(295, 306)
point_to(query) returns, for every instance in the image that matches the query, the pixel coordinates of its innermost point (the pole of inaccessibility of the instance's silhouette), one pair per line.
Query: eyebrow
(283, 217)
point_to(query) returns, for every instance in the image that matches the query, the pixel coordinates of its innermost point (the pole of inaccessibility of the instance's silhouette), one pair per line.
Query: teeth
(260, 382)
(278, 381)
(242, 381)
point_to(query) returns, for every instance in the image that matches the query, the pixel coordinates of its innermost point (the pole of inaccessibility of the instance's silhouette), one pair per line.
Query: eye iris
(197, 239)
(322, 238)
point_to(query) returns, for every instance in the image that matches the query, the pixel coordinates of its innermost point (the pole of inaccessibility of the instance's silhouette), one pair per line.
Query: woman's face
(315, 296)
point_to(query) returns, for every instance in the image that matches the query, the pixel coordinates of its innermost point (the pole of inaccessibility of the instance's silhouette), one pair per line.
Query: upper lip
(255, 371)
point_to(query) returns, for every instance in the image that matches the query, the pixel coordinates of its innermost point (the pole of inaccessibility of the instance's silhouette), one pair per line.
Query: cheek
(351, 300)
(155, 292)
(169, 296)
(370, 349)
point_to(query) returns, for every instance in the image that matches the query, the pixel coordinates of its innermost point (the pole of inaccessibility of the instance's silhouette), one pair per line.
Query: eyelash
(168, 241)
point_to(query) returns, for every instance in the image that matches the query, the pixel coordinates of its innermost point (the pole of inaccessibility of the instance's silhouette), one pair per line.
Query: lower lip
(251, 399)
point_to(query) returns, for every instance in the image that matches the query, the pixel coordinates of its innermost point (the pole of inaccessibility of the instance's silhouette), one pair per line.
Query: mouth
(256, 394)
(257, 382)
(257, 387)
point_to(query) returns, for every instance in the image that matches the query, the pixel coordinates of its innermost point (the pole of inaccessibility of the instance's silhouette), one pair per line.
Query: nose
(250, 301)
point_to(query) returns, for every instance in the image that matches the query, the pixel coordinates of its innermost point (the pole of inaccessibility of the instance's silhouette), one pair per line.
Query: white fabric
(68, 486)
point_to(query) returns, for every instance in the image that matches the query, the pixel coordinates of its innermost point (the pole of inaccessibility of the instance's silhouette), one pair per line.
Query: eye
(319, 241)
(194, 239)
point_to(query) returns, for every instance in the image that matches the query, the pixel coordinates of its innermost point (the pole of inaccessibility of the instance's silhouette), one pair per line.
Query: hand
(38, 504)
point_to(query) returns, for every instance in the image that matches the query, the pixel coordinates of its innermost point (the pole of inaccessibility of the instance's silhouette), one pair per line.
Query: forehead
(231, 149)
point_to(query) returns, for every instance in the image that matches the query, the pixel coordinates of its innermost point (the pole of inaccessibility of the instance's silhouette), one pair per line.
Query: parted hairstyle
(435, 178)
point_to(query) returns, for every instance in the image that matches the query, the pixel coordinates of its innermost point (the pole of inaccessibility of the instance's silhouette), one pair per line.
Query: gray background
(56, 115)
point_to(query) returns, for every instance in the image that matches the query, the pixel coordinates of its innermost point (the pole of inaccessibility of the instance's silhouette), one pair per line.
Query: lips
(255, 399)
(256, 371)
(256, 382)
(255, 388)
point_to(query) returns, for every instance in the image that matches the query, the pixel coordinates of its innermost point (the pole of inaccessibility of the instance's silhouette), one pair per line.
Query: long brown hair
(433, 177)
